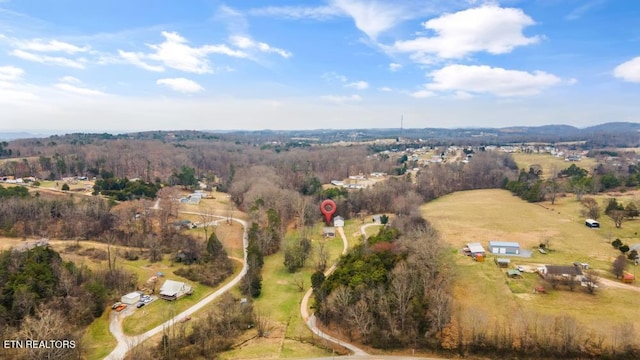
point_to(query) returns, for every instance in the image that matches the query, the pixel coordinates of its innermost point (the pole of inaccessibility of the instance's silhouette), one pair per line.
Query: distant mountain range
(628, 131)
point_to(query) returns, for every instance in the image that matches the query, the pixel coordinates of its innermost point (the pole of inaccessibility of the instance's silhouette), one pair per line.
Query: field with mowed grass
(550, 164)
(487, 300)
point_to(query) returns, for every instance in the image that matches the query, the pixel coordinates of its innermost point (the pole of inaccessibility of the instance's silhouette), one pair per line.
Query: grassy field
(97, 340)
(485, 297)
(549, 163)
(280, 300)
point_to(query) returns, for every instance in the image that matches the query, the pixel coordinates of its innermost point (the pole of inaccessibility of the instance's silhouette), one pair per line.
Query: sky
(118, 66)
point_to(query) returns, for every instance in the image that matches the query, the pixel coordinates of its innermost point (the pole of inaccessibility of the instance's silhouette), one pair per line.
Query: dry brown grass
(550, 164)
(484, 295)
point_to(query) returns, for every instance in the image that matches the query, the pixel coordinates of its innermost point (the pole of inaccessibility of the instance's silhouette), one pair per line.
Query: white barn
(338, 221)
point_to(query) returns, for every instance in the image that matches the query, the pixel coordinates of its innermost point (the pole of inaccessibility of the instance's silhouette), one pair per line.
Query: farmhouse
(504, 248)
(338, 221)
(130, 298)
(173, 290)
(558, 274)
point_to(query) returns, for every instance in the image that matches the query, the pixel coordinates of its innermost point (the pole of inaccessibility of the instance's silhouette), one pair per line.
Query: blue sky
(116, 65)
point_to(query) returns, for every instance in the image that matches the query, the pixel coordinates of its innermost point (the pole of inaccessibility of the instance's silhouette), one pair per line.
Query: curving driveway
(125, 342)
(310, 320)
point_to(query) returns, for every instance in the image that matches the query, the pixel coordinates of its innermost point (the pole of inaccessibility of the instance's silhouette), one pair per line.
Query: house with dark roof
(569, 275)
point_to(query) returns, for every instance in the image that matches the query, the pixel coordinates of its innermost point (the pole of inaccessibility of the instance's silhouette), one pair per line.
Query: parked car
(116, 304)
(120, 307)
(141, 304)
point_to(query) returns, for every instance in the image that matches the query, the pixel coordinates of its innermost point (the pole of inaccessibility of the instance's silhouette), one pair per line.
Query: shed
(475, 248)
(338, 221)
(591, 223)
(130, 298)
(514, 273)
(328, 231)
(504, 247)
(502, 262)
(173, 290)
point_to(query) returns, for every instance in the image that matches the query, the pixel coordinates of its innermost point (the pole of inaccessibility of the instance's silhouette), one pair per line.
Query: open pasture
(550, 164)
(486, 298)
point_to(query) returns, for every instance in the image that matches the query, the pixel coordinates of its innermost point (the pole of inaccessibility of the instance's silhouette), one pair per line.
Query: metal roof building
(475, 248)
(504, 247)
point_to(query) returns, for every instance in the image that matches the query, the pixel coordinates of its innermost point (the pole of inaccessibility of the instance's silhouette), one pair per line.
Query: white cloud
(342, 99)
(578, 12)
(485, 79)
(77, 89)
(50, 46)
(70, 80)
(10, 73)
(136, 59)
(359, 85)
(48, 60)
(385, 89)
(11, 92)
(372, 17)
(246, 43)
(298, 12)
(395, 67)
(181, 85)
(628, 71)
(462, 95)
(487, 28)
(175, 53)
(421, 94)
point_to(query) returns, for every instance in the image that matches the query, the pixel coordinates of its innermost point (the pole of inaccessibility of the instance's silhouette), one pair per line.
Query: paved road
(310, 320)
(127, 342)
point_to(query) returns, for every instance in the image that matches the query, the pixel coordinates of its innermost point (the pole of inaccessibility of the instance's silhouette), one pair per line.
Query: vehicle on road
(116, 304)
(120, 307)
(141, 304)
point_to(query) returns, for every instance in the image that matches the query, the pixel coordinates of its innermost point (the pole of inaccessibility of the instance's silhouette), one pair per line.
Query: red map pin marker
(328, 208)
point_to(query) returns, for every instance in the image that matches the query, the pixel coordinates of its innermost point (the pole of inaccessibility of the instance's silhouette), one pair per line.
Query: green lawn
(280, 302)
(97, 341)
(485, 297)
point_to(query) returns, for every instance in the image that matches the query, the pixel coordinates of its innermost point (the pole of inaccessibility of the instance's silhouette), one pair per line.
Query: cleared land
(485, 298)
(550, 164)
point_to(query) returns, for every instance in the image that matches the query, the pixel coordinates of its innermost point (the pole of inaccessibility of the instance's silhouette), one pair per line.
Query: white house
(130, 298)
(338, 221)
(173, 290)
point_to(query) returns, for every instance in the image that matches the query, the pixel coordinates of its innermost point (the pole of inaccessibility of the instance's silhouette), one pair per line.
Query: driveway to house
(365, 226)
(607, 283)
(125, 342)
(310, 320)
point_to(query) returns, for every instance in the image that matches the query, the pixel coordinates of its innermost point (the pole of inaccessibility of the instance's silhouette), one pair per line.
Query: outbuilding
(130, 298)
(502, 262)
(504, 248)
(475, 249)
(591, 223)
(328, 231)
(338, 221)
